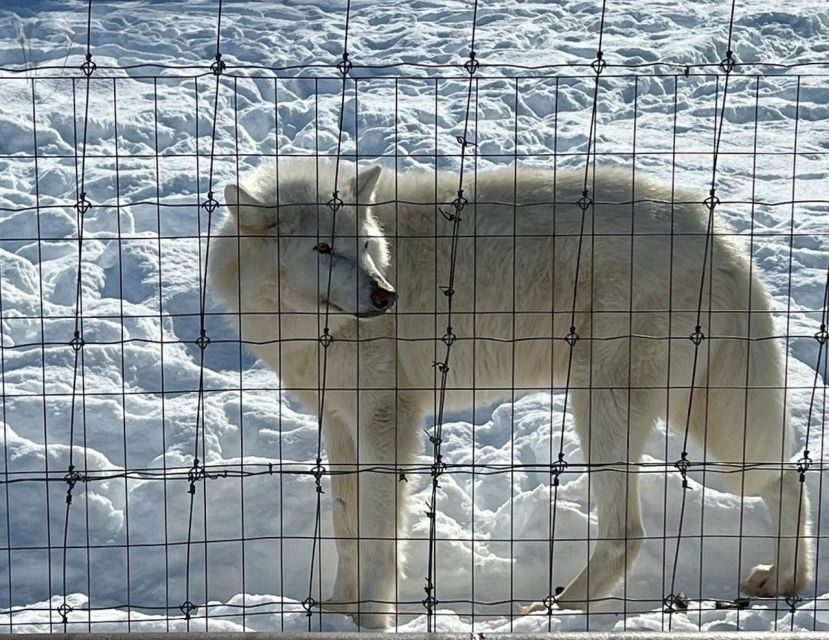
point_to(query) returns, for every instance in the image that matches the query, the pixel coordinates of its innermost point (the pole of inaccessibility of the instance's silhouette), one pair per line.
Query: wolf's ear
(244, 207)
(365, 183)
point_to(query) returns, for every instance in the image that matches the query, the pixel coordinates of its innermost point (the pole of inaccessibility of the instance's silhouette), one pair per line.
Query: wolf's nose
(383, 298)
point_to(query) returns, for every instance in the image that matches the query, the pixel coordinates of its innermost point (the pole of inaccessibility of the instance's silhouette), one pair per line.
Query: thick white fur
(380, 381)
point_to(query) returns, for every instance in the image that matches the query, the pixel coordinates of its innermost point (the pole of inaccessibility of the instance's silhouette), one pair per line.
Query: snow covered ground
(141, 262)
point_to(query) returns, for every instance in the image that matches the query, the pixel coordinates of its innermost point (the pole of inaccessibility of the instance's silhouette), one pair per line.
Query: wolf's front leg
(342, 458)
(385, 442)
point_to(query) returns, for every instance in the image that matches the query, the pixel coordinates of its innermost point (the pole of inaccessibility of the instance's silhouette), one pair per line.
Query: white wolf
(639, 271)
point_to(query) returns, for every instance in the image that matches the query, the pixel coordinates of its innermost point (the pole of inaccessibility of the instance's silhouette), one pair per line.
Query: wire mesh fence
(609, 282)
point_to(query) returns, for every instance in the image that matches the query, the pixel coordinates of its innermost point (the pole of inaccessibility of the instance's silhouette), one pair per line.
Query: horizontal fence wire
(235, 69)
(71, 339)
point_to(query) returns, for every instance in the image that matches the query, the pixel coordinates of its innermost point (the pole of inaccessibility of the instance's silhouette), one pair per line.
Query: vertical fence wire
(42, 328)
(396, 236)
(82, 206)
(674, 601)
(326, 338)
(630, 385)
(6, 497)
(669, 348)
(516, 109)
(241, 356)
(585, 204)
(752, 240)
(123, 357)
(821, 337)
(157, 172)
(197, 474)
(791, 599)
(805, 461)
(553, 470)
(453, 215)
(476, 160)
(279, 356)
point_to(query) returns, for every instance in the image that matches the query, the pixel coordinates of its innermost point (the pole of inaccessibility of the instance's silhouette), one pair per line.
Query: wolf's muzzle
(383, 299)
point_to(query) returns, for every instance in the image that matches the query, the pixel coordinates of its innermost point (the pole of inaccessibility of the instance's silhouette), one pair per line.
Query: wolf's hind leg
(759, 441)
(615, 434)
(788, 504)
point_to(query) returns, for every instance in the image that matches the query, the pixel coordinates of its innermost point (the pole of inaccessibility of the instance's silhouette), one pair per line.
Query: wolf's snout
(383, 298)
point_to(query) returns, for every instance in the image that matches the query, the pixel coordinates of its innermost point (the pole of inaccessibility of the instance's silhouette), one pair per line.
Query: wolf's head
(324, 251)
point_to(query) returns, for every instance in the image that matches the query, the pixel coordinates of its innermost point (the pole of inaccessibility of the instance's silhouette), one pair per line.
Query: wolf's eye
(323, 248)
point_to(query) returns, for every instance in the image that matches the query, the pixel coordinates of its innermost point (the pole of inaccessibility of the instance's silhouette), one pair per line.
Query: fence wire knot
(793, 601)
(460, 202)
(472, 64)
(335, 202)
(318, 471)
(712, 201)
(203, 340)
(77, 342)
(697, 337)
(464, 142)
(344, 65)
(83, 205)
(195, 474)
(187, 608)
(457, 204)
(211, 204)
(218, 67)
(308, 604)
(64, 610)
(678, 602)
(429, 602)
(449, 337)
(441, 366)
(552, 600)
(599, 64)
(557, 468)
(326, 338)
(72, 478)
(585, 201)
(447, 291)
(572, 338)
(821, 336)
(88, 67)
(728, 63)
(449, 215)
(803, 465)
(682, 465)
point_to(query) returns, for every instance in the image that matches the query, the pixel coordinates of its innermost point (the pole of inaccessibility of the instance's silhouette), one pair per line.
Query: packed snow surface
(150, 139)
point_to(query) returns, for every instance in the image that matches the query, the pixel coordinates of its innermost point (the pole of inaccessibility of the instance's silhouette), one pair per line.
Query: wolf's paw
(361, 613)
(371, 620)
(527, 609)
(765, 582)
(559, 604)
